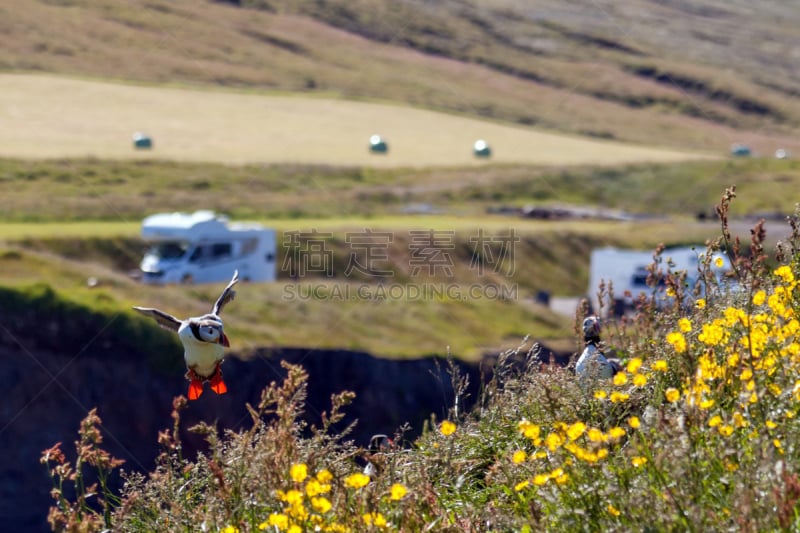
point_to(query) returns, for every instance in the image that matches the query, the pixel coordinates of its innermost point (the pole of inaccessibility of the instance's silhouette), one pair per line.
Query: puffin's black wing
(227, 295)
(165, 320)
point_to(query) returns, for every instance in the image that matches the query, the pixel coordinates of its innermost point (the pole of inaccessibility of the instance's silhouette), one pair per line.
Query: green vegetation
(67, 320)
(89, 189)
(698, 432)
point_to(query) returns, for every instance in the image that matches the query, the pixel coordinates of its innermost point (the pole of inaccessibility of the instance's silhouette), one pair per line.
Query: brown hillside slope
(707, 75)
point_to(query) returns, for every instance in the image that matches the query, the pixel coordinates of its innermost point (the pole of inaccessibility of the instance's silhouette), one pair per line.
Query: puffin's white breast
(199, 355)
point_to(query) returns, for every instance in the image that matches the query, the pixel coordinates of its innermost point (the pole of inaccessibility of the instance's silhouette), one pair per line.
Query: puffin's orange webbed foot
(217, 385)
(195, 384)
(195, 389)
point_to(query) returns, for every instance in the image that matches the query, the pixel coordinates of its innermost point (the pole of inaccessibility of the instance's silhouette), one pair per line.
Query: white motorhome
(203, 247)
(626, 271)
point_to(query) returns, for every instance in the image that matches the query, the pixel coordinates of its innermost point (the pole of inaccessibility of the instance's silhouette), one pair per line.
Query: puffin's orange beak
(223, 340)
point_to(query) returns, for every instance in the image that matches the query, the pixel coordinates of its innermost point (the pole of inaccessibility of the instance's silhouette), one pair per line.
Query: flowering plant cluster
(698, 431)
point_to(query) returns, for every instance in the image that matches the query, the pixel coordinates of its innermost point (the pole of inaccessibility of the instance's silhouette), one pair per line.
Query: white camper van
(627, 272)
(203, 247)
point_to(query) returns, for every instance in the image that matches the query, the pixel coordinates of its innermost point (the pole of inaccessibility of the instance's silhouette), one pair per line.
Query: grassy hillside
(351, 312)
(590, 68)
(119, 191)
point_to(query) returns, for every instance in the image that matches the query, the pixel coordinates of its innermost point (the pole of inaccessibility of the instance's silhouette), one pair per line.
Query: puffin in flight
(204, 342)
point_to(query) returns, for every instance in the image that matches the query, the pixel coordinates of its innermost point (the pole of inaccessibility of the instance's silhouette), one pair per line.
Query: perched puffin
(378, 446)
(204, 342)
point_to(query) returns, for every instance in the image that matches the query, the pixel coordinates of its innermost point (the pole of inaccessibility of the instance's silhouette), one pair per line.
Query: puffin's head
(211, 331)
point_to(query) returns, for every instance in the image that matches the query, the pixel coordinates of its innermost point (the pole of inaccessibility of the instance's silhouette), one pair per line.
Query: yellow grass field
(43, 116)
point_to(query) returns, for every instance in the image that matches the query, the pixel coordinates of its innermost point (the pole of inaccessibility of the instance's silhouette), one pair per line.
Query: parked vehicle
(203, 247)
(627, 273)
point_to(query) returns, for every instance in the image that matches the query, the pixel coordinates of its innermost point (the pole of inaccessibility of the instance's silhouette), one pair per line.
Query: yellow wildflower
(518, 457)
(324, 476)
(290, 497)
(677, 340)
(617, 397)
(725, 430)
(616, 432)
(715, 421)
(294, 528)
(298, 472)
(640, 380)
(521, 485)
(374, 519)
(529, 429)
(685, 325)
(398, 491)
(356, 481)
(707, 403)
(576, 430)
(785, 273)
(553, 441)
(595, 435)
(759, 298)
(634, 422)
(613, 510)
(700, 303)
(600, 394)
(620, 378)
(638, 460)
(672, 395)
(321, 504)
(660, 365)
(279, 520)
(447, 428)
(229, 529)
(712, 334)
(540, 479)
(297, 511)
(770, 424)
(315, 488)
(634, 365)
